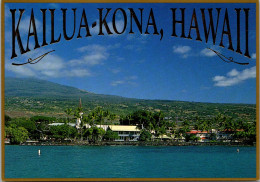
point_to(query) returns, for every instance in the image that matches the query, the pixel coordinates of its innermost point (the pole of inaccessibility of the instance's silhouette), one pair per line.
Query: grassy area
(29, 97)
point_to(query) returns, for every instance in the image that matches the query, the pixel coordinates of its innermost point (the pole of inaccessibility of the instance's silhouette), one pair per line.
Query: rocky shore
(139, 143)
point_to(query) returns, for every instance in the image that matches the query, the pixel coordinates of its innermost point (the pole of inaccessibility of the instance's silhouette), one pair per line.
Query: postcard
(130, 91)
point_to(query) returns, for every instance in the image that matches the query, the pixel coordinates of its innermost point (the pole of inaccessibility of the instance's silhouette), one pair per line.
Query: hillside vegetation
(31, 97)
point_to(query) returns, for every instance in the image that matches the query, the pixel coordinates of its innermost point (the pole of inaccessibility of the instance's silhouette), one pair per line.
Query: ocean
(130, 162)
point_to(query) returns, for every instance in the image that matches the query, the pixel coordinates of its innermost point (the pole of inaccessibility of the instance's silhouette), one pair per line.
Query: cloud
(25, 23)
(233, 72)
(219, 78)
(20, 70)
(118, 82)
(90, 60)
(94, 55)
(253, 56)
(56, 66)
(131, 77)
(51, 65)
(181, 49)
(127, 80)
(208, 53)
(78, 72)
(142, 38)
(23, 30)
(187, 51)
(115, 70)
(234, 77)
(94, 48)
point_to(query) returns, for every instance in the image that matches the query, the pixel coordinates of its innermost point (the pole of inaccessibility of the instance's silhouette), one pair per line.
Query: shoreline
(137, 143)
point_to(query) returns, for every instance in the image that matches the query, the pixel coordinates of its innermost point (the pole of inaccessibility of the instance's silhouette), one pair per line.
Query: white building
(104, 127)
(58, 124)
(78, 121)
(126, 132)
(226, 135)
(204, 136)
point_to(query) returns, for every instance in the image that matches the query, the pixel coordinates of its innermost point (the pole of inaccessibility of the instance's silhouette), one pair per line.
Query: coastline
(137, 143)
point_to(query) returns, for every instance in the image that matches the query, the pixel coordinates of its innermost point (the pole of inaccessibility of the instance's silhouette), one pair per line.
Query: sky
(138, 65)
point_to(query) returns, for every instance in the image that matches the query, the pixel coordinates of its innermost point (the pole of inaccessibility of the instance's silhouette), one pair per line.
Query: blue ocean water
(130, 162)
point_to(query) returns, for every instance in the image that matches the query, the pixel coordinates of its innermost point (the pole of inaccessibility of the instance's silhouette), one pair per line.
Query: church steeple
(78, 122)
(80, 105)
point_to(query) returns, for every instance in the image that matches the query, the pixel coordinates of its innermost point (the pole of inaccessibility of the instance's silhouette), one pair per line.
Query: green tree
(29, 125)
(7, 119)
(98, 133)
(68, 111)
(62, 131)
(99, 115)
(89, 134)
(145, 135)
(246, 132)
(191, 137)
(110, 135)
(183, 130)
(45, 119)
(16, 134)
(220, 121)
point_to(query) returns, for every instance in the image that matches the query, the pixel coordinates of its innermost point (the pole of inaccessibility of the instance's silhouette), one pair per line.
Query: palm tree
(92, 119)
(229, 125)
(185, 128)
(181, 132)
(185, 123)
(129, 119)
(220, 121)
(68, 111)
(81, 129)
(100, 116)
(78, 114)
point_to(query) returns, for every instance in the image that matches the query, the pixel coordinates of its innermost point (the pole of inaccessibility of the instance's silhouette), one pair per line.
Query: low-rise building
(226, 135)
(207, 136)
(204, 136)
(59, 124)
(7, 140)
(104, 127)
(126, 132)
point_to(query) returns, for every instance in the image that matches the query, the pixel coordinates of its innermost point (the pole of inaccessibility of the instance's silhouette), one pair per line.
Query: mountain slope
(18, 87)
(27, 97)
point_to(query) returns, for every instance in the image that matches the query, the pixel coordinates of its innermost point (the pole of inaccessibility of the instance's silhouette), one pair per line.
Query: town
(141, 126)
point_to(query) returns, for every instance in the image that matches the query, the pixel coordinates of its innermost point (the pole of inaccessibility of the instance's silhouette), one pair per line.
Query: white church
(125, 132)
(78, 121)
